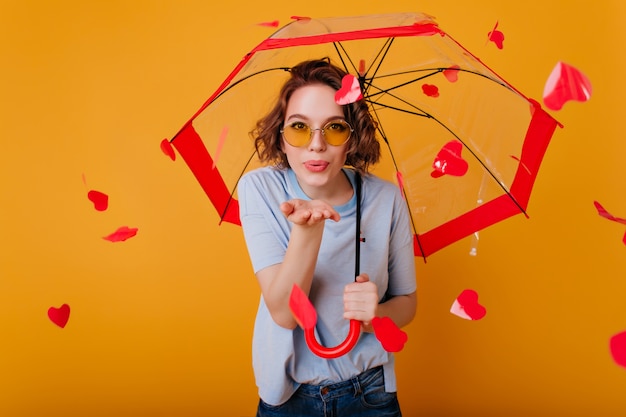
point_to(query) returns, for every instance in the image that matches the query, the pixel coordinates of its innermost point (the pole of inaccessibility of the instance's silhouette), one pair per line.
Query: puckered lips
(316, 165)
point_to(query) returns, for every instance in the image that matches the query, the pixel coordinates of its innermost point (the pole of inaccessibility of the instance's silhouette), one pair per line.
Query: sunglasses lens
(337, 133)
(297, 134)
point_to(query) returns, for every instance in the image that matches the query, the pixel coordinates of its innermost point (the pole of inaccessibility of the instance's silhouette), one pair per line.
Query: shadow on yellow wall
(161, 323)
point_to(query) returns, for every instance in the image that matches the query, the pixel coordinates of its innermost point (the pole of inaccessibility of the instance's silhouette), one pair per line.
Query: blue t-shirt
(281, 358)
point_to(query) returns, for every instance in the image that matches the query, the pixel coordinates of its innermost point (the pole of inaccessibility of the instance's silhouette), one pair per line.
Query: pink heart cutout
(449, 161)
(100, 200)
(59, 316)
(564, 84)
(452, 73)
(350, 91)
(388, 334)
(467, 307)
(617, 346)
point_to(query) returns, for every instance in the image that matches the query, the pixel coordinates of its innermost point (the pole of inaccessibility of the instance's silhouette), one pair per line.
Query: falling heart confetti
(60, 315)
(496, 37)
(303, 311)
(452, 73)
(400, 178)
(168, 149)
(220, 145)
(467, 307)
(388, 334)
(121, 234)
(272, 24)
(350, 91)
(617, 346)
(430, 90)
(564, 84)
(100, 200)
(449, 161)
(604, 213)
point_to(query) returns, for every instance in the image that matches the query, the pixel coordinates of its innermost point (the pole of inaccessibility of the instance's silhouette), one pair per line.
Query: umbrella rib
(380, 55)
(388, 106)
(230, 86)
(232, 192)
(383, 51)
(435, 71)
(507, 192)
(380, 129)
(386, 91)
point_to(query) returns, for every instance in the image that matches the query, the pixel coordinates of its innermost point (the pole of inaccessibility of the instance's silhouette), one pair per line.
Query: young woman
(298, 216)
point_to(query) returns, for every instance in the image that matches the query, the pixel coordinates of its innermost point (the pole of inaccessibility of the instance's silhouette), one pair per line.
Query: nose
(317, 140)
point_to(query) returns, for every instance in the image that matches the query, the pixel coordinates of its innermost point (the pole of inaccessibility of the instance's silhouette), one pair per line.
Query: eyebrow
(303, 117)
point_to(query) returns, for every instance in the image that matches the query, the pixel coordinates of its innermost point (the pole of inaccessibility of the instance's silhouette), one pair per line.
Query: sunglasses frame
(322, 130)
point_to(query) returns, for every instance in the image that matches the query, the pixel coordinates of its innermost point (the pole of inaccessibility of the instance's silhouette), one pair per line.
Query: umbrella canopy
(463, 144)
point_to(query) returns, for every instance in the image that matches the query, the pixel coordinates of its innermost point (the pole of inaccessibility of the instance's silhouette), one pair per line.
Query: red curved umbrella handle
(339, 350)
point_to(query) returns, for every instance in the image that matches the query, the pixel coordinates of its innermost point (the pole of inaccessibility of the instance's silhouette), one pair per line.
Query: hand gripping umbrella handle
(339, 350)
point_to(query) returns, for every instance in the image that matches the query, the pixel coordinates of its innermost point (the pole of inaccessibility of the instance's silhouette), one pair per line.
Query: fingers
(363, 278)
(308, 213)
(287, 208)
(360, 299)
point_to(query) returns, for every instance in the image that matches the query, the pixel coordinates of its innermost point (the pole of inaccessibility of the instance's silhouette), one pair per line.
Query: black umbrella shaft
(357, 260)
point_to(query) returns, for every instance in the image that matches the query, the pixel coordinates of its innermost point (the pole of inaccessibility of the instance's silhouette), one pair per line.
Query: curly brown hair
(363, 146)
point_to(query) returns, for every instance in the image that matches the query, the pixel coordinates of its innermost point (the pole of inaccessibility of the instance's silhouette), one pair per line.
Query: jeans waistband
(350, 386)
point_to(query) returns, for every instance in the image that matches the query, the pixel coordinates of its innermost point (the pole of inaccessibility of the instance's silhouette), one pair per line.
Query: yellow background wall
(161, 324)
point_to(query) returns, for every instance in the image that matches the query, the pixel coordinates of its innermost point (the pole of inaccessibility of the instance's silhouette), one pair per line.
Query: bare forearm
(297, 268)
(400, 309)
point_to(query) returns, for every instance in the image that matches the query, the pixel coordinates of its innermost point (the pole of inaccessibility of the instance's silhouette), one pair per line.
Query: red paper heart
(452, 73)
(121, 234)
(303, 311)
(59, 316)
(466, 306)
(350, 91)
(400, 178)
(604, 213)
(388, 334)
(617, 345)
(430, 90)
(100, 200)
(496, 37)
(168, 149)
(449, 161)
(272, 24)
(564, 84)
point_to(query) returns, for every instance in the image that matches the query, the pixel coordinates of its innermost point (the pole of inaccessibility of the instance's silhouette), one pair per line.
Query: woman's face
(317, 165)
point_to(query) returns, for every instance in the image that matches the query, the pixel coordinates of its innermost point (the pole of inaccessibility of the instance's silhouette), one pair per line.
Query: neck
(336, 193)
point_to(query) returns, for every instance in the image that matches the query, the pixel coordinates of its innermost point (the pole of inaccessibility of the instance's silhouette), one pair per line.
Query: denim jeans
(361, 396)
